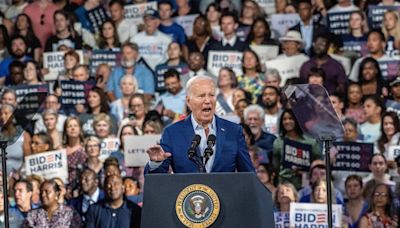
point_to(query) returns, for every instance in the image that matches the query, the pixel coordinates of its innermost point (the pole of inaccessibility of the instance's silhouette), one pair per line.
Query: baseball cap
(396, 81)
(151, 13)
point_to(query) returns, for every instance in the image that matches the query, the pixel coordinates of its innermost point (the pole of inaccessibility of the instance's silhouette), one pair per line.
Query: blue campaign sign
(355, 46)
(97, 57)
(74, 92)
(353, 156)
(96, 17)
(296, 154)
(375, 15)
(393, 106)
(160, 70)
(338, 23)
(389, 69)
(31, 103)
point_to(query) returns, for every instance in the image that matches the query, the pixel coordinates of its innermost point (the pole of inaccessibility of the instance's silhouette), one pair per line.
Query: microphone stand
(3, 146)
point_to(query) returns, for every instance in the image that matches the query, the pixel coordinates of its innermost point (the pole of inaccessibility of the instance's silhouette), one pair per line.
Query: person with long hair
(358, 27)
(120, 107)
(265, 174)
(354, 107)
(50, 118)
(175, 59)
(284, 195)
(260, 33)
(108, 38)
(370, 78)
(252, 79)
(390, 136)
(213, 13)
(250, 11)
(391, 29)
(32, 74)
(138, 108)
(92, 149)
(23, 27)
(4, 43)
(226, 83)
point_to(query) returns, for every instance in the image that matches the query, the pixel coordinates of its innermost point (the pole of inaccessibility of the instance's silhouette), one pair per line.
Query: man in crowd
(52, 103)
(196, 65)
(270, 102)
(230, 152)
(114, 210)
(126, 28)
(81, 73)
(23, 204)
(254, 117)
(168, 26)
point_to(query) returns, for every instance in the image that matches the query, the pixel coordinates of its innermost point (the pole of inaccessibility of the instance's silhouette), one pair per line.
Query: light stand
(3, 146)
(327, 141)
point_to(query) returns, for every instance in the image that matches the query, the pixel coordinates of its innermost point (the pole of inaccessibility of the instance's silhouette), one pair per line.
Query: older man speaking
(178, 142)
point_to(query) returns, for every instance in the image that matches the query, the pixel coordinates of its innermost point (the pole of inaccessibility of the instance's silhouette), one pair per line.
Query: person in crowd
(167, 25)
(92, 148)
(51, 102)
(213, 14)
(108, 39)
(240, 106)
(23, 204)
(265, 174)
(201, 38)
(381, 212)
(319, 192)
(132, 190)
(343, 6)
(41, 14)
(32, 74)
(201, 100)
(126, 28)
(395, 90)
(71, 60)
(120, 107)
(144, 77)
(260, 33)
(102, 74)
(391, 29)
(230, 41)
(307, 27)
(82, 14)
(390, 136)
(63, 190)
(111, 167)
(138, 108)
(152, 36)
(356, 206)
(41, 142)
(252, 79)
(196, 65)
(16, 69)
(184, 8)
(81, 73)
(4, 43)
(273, 78)
(227, 82)
(373, 109)
(285, 194)
(351, 130)
(378, 166)
(270, 102)
(35, 181)
(91, 193)
(15, 9)
(335, 75)
(249, 13)
(354, 107)
(52, 213)
(254, 117)
(102, 126)
(23, 27)
(358, 28)
(50, 118)
(65, 34)
(114, 205)
(337, 101)
(370, 78)
(9, 96)
(289, 128)
(152, 127)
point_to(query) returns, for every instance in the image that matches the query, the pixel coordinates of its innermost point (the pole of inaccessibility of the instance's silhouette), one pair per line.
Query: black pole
(3, 145)
(327, 144)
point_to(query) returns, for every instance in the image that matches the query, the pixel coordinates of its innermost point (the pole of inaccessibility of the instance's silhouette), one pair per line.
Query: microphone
(208, 152)
(194, 144)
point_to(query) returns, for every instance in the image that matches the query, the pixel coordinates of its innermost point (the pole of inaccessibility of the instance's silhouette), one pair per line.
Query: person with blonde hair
(284, 195)
(120, 107)
(391, 29)
(102, 125)
(92, 148)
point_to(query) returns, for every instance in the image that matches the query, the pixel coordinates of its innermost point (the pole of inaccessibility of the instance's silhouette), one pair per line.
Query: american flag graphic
(299, 153)
(321, 218)
(50, 158)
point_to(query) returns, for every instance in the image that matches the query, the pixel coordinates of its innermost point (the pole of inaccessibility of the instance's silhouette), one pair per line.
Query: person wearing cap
(395, 90)
(167, 25)
(153, 43)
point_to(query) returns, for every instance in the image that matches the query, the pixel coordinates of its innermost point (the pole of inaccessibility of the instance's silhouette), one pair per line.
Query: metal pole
(327, 144)
(3, 145)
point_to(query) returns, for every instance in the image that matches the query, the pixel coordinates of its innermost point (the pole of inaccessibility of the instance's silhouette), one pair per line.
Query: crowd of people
(146, 91)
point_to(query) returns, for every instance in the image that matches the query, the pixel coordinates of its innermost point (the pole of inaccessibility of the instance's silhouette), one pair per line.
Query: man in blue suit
(230, 150)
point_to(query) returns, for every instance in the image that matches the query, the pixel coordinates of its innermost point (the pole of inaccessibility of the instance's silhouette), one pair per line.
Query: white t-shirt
(126, 30)
(337, 9)
(370, 132)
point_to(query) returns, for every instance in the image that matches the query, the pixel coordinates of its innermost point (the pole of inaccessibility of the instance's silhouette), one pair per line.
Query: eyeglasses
(382, 194)
(42, 19)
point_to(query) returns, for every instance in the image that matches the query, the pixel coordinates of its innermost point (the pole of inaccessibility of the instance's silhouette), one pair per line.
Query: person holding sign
(390, 136)
(230, 152)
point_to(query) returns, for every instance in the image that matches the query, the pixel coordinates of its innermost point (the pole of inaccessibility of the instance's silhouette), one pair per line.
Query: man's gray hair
(274, 73)
(254, 108)
(195, 79)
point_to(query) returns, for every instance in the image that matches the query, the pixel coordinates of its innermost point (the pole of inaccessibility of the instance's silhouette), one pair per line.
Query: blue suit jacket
(231, 151)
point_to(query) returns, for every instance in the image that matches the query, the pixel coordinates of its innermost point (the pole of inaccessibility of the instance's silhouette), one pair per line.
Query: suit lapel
(220, 131)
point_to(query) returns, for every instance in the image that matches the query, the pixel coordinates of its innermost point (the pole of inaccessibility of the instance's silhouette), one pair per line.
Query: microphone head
(197, 139)
(211, 138)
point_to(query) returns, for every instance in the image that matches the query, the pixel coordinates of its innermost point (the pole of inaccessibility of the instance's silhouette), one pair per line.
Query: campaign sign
(267, 5)
(280, 23)
(112, 58)
(375, 14)
(393, 106)
(314, 215)
(287, 67)
(296, 154)
(136, 11)
(160, 71)
(135, 147)
(393, 152)
(29, 104)
(265, 52)
(74, 92)
(96, 17)
(108, 146)
(355, 46)
(187, 23)
(282, 219)
(48, 165)
(54, 62)
(353, 156)
(338, 23)
(389, 69)
(219, 59)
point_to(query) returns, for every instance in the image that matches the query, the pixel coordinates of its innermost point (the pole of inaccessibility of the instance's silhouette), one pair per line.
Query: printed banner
(355, 46)
(54, 62)
(282, 219)
(160, 70)
(74, 92)
(96, 17)
(219, 59)
(296, 154)
(288, 67)
(48, 165)
(393, 106)
(314, 215)
(135, 149)
(353, 156)
(32, 102)
(393, 152)
(112, 58)
(136, 11)
(187, 23)
(108, 146)
(338, 23)
(267, 5)
(389, 69)
(375, 15)
(265, 52)
(280, 23)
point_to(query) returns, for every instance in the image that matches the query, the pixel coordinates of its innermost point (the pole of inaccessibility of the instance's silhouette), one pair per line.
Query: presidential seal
(197, 206)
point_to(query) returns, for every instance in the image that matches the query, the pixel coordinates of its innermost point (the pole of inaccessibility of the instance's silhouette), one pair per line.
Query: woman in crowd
(358, 28)
(265, 174)
(71, 60)
(201, 38)
(152, 127)
(391, 29)
(41, 142)
(319, 192)
(351, 130)
(285, 194)
(240, 106)
(108, 39)
(120, 107)
(290, 129)
(370, 78)
(35, 181)
(250, 11)
(52, 213)
(50, 118)
(356, 205)
(175, 59)
(381, 212)
(252, 79)
(9, 97)
(371, 128)
(354, 107)
(260, 33)
(132, 190)
(213, 13)
(102, 126)
(138, 108)
(23, 27)
(226, 83)
(63, 190)
(32, 74)
(390, 132)
(4, 43)
(92, 148)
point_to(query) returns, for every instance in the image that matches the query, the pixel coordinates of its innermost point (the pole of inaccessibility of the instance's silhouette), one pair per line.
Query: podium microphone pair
(208, 152)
